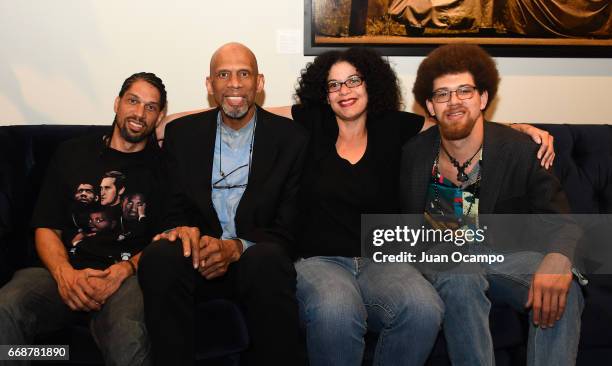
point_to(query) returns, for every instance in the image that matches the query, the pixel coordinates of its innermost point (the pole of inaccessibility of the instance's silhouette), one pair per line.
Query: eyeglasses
(216, 184)
(444, 95)
(353, 81)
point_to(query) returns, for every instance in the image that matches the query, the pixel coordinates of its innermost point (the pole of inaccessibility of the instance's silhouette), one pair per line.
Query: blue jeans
(341, 298)
(466, 320)
(30, 304)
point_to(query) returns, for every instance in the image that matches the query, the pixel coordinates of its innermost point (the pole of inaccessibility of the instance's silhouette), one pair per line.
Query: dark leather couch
(583, 164)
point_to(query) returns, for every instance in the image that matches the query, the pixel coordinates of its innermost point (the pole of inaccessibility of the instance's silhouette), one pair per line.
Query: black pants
(262, 282)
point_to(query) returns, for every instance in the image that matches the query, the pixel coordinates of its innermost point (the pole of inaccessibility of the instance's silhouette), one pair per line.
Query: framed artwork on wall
(521, 28)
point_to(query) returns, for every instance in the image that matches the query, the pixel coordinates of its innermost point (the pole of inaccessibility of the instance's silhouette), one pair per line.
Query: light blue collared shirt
(234, 153)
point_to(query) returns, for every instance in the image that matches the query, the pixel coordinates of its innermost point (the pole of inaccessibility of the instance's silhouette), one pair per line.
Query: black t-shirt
(104, 201)
(334, 193)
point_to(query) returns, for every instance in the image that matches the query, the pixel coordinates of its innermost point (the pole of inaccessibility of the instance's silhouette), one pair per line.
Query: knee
(461, 289)
(266, 254)
(15, 319)
(342, 318)
(427, 311)
(124, 342)
(160, 254)
(160, 263)
(9, 311)
(417, 304)
(12, 303)
(120, 329)
(575, 300)
(333, 306)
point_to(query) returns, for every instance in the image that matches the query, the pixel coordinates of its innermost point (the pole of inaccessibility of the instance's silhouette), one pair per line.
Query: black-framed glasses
(444, 95)
(352, 81)
(217, 185)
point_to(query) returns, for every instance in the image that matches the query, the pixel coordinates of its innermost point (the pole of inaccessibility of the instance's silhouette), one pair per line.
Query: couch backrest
(583, 164)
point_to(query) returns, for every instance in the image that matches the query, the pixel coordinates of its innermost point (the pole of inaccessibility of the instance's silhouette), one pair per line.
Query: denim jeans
(341, 298)
(30, 304)
(466, 319)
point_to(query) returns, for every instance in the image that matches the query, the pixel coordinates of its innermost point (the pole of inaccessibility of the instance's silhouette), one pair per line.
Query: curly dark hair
(382, 85)
(455, 59)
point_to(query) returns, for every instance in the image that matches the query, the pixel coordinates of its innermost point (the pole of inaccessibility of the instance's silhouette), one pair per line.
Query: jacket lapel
(202, 167)
(421, 175)
(264, 158)
(494, 159)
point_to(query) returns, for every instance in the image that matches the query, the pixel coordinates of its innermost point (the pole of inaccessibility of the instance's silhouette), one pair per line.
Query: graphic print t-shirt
(104, 201)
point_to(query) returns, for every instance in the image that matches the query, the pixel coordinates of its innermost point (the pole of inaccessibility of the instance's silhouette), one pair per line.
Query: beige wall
(63, 61)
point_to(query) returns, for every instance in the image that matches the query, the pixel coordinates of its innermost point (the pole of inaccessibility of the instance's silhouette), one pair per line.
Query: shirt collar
(246, 129)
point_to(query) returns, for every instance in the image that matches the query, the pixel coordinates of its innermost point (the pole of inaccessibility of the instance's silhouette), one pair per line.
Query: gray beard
(234, 113)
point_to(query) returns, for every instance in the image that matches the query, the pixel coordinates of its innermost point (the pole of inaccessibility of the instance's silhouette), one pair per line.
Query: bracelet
(132, 266)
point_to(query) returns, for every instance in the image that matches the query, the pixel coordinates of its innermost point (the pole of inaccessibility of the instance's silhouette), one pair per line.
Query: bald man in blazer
(234, 173)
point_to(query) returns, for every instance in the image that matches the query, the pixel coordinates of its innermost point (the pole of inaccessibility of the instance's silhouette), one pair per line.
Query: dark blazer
(267, 211)
(512, 180)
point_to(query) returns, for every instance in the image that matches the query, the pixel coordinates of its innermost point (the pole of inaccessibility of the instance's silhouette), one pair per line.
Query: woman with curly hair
(349, 101)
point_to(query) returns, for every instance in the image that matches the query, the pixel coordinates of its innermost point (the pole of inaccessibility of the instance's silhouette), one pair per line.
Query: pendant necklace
(461, 174)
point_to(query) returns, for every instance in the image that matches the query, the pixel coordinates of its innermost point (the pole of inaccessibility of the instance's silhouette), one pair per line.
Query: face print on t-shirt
(112, 186)
(104, 202)
(133, 207)
(101, 220)
(107, 208)
(86, 193)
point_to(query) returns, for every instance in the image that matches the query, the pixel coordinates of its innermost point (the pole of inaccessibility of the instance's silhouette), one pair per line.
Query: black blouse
(335, 192)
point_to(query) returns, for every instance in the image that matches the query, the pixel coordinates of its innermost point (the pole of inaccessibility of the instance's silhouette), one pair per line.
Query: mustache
(139, 119)
(454, 109)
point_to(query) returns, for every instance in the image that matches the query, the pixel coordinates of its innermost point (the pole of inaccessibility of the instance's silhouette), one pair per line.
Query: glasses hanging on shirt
(219, 184)
(222, 183)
